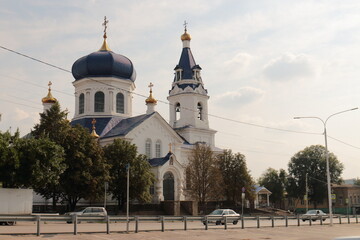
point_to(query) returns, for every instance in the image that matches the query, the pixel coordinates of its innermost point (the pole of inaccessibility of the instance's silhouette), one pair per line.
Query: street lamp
(327, 159)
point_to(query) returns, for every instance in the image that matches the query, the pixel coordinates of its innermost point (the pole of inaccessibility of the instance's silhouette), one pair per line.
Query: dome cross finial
(105, 26)
(104, 46)
(185, 25)
(49, 84)
(93, 132)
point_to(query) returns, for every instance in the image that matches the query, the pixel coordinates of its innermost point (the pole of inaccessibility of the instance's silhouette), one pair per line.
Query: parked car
(89, 211)
(314, 215)
(217, 215)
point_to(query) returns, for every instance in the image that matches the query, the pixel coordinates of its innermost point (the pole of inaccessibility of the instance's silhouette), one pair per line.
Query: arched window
(200, 111)
(158, 149)
(99, 104)
(120, 103)
(177, 111)
(81, 103)
(148, 148)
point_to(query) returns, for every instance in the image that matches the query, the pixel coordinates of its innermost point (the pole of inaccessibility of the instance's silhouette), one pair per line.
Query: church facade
(104, 83)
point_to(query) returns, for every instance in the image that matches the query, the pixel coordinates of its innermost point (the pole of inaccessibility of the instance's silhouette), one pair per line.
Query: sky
(263, 63)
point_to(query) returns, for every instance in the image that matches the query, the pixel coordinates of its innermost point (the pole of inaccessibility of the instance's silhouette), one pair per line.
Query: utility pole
(127, 197)
(306, 193)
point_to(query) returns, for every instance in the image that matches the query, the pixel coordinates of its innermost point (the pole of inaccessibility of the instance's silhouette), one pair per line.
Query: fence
(244, 222)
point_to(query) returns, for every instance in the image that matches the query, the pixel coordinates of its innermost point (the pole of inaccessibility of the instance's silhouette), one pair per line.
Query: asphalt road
(174, 231)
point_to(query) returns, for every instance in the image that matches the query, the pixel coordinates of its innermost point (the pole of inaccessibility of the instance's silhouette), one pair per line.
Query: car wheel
(235, 222)
(218, 222)
(304, 220)
(69, 222)
(313, 220)
(9, 223)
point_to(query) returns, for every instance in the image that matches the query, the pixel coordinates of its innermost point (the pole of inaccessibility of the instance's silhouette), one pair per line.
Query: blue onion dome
(104, 63)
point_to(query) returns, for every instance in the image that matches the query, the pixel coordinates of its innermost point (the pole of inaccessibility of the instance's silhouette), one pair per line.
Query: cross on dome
(105, 26)
(185, 25)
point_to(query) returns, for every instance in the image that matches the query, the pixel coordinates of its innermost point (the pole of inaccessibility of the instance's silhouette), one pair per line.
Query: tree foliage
(235, 176)
(118, 155)
(203, 176)
(9, 159)
(312, 161)
(85, 167)
(276, 182)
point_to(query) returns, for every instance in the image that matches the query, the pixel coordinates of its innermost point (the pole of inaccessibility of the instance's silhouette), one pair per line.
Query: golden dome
(93, 132)
(185, 36)
(49, 98)
(150, 99)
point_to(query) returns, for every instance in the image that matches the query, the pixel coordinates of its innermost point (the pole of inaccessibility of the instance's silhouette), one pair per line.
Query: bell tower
(189, 99)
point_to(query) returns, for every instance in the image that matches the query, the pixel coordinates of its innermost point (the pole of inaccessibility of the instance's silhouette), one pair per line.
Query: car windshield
(217, 212)
(311, 212)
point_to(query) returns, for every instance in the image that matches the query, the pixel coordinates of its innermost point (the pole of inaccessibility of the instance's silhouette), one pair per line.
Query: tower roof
(49, 98)
(104, 63)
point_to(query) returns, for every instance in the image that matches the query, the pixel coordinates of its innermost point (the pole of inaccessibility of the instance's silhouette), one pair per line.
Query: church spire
(93, 132)
(150, 101)
(49, 100)
(105, 46)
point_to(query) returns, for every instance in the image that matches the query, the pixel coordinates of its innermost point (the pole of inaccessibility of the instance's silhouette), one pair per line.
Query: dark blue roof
(126, 125)
(186, 63)
(86, 122)
(104, 64)
(155, 162)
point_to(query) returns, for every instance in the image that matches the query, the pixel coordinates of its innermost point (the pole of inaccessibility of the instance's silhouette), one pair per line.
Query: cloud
(240, 60)
(243, 95)
(289, 67)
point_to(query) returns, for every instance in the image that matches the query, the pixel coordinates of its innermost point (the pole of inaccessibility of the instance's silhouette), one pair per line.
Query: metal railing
(254, 221)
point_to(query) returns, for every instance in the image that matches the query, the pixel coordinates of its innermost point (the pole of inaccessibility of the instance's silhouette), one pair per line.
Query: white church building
(104, 85)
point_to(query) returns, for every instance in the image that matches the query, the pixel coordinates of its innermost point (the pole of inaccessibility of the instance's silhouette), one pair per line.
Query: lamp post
(327, 159)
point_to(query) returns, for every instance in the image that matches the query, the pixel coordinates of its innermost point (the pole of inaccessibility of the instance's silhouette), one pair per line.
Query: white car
(314, 215)
(89, 211)
(217, 216)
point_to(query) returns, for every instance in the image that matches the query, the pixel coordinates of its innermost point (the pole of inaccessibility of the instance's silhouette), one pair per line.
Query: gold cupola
(49, 98)
(105, 46)
(151, 99)
(186, 36)
(93, 132)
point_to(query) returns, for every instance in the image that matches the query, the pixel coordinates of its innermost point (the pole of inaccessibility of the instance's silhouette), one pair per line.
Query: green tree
(41, 164)
(85, 167)
(276, 182)
(118, 155)
(235, 176)
(203, 176)
(312, 161)
(9, 158)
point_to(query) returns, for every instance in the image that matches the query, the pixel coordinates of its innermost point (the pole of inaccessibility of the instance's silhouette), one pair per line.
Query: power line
(343, 142)
(161, 101)
(19, 104)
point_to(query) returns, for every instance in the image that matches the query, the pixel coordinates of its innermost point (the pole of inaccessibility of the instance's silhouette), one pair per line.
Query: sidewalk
(278, 233)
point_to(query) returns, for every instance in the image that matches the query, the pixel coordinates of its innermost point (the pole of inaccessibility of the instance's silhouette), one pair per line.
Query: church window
(99, 102)
(148, 148)
(120, 103)
(152, 189)
(200, 111)
(158, 149)
(81, 103)
(177, 111)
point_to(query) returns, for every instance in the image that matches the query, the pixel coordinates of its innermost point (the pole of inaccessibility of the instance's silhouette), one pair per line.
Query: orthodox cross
(150, 86)
(105, 26)
(49, 84)
(170, 147)
(185, 25)
(93, 123)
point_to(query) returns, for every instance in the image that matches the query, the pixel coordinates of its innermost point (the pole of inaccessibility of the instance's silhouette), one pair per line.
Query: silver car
(314, 215)
(217, 216)
(89, 212)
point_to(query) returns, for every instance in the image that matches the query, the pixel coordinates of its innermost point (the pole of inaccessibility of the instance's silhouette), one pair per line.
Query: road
(174, 231)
